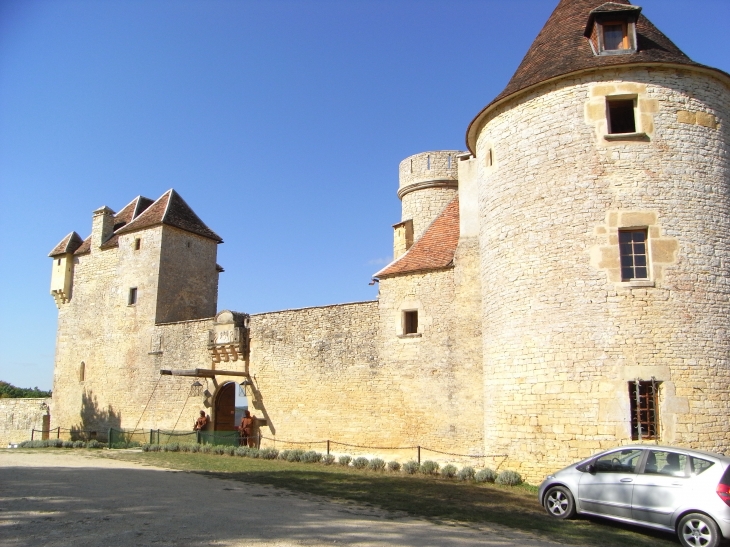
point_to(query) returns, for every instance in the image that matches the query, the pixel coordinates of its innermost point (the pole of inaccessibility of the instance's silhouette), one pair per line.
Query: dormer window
(615, 36)
(611, 29)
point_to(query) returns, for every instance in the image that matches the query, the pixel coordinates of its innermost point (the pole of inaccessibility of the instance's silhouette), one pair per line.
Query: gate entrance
(225, 408)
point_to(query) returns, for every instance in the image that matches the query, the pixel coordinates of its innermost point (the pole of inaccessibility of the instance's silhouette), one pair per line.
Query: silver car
(686, 492)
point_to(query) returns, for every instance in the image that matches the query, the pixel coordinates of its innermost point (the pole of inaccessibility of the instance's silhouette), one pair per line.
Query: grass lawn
(434, 498)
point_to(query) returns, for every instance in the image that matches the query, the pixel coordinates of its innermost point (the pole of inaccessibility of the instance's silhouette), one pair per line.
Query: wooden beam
(202, 373)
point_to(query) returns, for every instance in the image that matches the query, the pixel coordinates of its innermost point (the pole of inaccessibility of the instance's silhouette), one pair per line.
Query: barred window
(643, 395)
(632, 245)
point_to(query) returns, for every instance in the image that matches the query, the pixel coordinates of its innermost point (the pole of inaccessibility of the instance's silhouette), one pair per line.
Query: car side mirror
(590, 468)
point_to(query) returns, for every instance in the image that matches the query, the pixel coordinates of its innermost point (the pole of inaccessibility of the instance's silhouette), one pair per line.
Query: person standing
(246, 429)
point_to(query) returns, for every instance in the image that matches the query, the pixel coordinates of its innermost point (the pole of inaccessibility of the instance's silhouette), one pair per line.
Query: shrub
(449, 471)
(79, 444)
(485, 475)
(242, 451)
(311, 457)
(294, 455)
(393, 466)
(194, 447)
(268, 453)
(360, 463)
(231, 450)
(411, 467)
(376, 464)
(68, 444)
(206, 449)
(345, 460)
(429, 467)
(328, 459)
(466, 474)
(172, 447)
(219, 449)
(146, 447)
(509, 478)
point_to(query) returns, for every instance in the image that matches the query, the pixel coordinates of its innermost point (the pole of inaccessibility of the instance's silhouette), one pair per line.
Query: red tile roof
(128, 213)
(68, 244)
(434, 250)
(561, 48)
(85, 247)
(170, 209)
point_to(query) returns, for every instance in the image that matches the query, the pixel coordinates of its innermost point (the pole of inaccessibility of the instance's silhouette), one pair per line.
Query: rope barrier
(376, 447)
(465, 455)
(292, 442)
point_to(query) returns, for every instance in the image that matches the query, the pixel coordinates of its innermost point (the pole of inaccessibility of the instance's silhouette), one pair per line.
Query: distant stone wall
(19, 416)
(563, 335)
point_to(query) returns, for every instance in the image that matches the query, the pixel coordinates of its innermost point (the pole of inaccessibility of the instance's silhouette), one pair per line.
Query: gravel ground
(67, 498)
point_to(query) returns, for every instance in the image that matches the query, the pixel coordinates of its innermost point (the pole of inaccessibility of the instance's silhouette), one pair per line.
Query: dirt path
(65, 498)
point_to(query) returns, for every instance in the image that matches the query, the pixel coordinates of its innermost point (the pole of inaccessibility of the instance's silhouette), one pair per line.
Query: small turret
(63, 267)
(428, 182)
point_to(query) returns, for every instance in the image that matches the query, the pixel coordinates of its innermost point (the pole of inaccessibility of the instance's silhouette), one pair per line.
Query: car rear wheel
(559, 502)
(698, 530)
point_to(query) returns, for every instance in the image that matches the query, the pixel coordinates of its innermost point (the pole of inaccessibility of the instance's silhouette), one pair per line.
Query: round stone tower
(604, 197)
(427, 183)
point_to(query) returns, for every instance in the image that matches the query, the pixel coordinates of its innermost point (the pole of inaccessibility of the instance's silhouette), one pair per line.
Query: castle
(561, 287)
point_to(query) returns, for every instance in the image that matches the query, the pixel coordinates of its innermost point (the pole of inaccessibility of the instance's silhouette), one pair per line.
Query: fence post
(32, 432)
(419, 455)
(110, 437)
(58, 432)
(258, 444)
(328, 447)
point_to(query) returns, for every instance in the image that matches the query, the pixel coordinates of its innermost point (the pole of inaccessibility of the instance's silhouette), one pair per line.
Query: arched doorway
(225, 408)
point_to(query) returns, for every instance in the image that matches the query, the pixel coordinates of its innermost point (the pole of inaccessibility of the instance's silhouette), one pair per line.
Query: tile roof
(85, 247)
(561, 48)
(128, 213)
(434, 250)
(68, 244)
(170, 209)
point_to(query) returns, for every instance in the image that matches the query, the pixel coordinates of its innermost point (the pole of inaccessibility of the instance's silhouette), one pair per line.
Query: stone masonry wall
(423, 206)
(562, 336)
(19, 416)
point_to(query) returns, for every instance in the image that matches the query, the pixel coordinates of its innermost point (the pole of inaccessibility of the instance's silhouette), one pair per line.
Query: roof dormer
(611, 29)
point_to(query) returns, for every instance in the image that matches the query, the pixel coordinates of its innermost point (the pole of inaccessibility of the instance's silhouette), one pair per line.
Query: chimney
(102, 226)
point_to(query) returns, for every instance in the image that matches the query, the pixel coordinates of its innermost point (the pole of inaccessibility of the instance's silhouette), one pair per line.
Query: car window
(698, 465)
(623, 461)
(663, 462)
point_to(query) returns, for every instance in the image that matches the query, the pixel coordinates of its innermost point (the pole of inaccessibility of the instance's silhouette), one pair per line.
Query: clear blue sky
(281, 123)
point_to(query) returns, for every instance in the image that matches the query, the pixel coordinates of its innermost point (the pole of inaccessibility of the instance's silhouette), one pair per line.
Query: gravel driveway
(66, 498)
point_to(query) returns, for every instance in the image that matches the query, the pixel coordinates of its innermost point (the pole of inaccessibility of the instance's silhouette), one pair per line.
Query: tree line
(9, 391)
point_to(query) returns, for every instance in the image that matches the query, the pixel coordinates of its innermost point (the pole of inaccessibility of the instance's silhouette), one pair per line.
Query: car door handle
(627, 480)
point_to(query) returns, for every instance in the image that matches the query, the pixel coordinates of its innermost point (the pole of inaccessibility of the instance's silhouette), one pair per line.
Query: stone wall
(562, 335)
(19, 416)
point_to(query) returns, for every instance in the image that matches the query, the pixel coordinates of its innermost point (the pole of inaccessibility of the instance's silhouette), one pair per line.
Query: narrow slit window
(643, 395)
(615, 36)
(132, 300)
(410, 322)
(137, 244)
(82, 372)
(621, 118)
(632, 246)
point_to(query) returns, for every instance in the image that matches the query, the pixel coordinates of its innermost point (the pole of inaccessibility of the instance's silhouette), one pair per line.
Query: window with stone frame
(621, 116)
(132, 299)
(632, 247)
(410, 322)
(644, 399)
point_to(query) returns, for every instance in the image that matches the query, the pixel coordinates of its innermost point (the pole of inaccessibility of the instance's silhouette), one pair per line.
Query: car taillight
(723, 490)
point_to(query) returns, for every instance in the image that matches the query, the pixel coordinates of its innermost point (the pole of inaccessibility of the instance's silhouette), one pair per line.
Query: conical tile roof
(561, 48)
